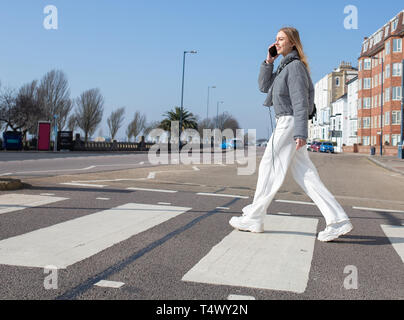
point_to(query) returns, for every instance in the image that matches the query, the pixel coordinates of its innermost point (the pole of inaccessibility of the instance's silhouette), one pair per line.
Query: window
(386, 32)
(386, 138)
(387, 73)
(367, 65)
(360, 65)
(337, 81)
(396, 117)
(397, 69)
(365, 46)
(366, 123)
(387, 47)
(396, 94)
(366, 141)
(397, 45)
(367, 83)
(394, 25)
(395, 139)
(360, 84)
(387, 95)
(366, 103)
(387, 118)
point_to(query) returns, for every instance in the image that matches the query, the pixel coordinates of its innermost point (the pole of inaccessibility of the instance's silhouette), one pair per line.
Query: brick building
(385, 45)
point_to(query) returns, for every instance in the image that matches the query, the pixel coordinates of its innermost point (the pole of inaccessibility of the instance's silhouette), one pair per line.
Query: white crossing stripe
(103, 199)
(239, 297)
(296, 202)
(221, 195)
(378, 210)
(14, 202)
(278, 259)
(223, 208)
(69, 242)
(84, 184)
(109, 284)
(152, 190)
(396, 237)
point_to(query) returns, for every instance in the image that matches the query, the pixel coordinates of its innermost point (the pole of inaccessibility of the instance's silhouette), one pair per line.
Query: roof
(375, 42)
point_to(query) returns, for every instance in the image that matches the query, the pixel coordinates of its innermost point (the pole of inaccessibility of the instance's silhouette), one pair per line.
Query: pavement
(391, 163)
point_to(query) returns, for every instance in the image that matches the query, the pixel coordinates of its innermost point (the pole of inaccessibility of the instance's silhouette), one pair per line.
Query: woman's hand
(271, 59)
(300, 143)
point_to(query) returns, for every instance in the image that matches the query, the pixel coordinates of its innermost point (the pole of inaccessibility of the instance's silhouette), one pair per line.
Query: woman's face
(283, 44)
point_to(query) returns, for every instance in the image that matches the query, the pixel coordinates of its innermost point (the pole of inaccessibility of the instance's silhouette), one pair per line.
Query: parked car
(315, 146)
(327, 147)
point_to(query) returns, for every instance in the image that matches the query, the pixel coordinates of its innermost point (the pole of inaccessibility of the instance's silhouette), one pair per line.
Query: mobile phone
(273, 52)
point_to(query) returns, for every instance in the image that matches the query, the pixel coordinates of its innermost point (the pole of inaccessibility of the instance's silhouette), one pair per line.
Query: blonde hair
(294, 37)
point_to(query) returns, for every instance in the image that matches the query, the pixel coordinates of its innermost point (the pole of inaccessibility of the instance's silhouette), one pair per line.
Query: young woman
(291, 93)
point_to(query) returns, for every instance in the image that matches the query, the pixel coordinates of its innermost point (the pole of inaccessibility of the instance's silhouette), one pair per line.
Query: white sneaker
(335, 230)
(243, 223)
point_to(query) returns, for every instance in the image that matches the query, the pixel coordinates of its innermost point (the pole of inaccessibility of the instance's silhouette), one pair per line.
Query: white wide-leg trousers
(279, 156)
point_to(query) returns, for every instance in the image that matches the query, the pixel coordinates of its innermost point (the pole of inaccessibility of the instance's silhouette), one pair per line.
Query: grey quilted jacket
(291, 92)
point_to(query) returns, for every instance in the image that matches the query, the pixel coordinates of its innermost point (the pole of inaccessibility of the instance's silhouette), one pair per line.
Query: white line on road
(47, 194)
(396, 236)
(221, 195)
(66, 243)
(152, 190)
(109, 284)
(196, 168)
(224, 208)
(6, 174)
(376, 209)
(84, 185)
(14, 202)
(278, 259)
(103, 199)
(165, 203)
(283, 213)
(151, 175)
(296, 202)
(239, 297)
(58, 170)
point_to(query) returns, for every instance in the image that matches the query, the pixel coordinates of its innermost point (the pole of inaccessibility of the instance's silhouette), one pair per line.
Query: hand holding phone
(272, 53)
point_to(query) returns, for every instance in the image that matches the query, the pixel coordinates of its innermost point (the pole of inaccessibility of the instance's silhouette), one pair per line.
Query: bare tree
(136, 126)
(115, 121)
(54, 96)
(226, 121)
(150, 126)
(90, 108)
(72, 122)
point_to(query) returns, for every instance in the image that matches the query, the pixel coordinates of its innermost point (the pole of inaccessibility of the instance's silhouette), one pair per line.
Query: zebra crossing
(280, 259)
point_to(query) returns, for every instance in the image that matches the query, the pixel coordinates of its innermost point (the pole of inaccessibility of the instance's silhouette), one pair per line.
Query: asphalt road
(170, 239)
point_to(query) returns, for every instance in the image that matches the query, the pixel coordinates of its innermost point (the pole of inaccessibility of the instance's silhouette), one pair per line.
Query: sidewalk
(389, 162)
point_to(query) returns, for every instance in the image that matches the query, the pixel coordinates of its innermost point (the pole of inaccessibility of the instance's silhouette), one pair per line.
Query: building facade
(352, 101)
(328, 90)
(380, 89)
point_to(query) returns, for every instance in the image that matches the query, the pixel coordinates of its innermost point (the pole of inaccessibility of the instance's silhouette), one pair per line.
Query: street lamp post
(182, 95)
(381, 106)
(207, 107)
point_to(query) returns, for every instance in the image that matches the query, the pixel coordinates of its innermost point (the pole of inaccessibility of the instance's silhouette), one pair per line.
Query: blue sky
(132, 49)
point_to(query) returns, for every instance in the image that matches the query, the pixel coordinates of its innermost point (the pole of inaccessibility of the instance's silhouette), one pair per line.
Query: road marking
(151, 175)
(47, 194)
(165, 203)
(278, 259)
(69, 242)
(283, 213)
(58, 170)
(396, 236)
(84, 185)
(6, 174)
(103, 198)
(141, 162)
(221, 195)
(239, 297)
(296, 202)
(152, 190)
(224, 208)
(109, 284)
(376, 209)
(196, 168)
(14, 202)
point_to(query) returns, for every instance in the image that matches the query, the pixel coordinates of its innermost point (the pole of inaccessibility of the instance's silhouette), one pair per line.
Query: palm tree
(188, 119)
